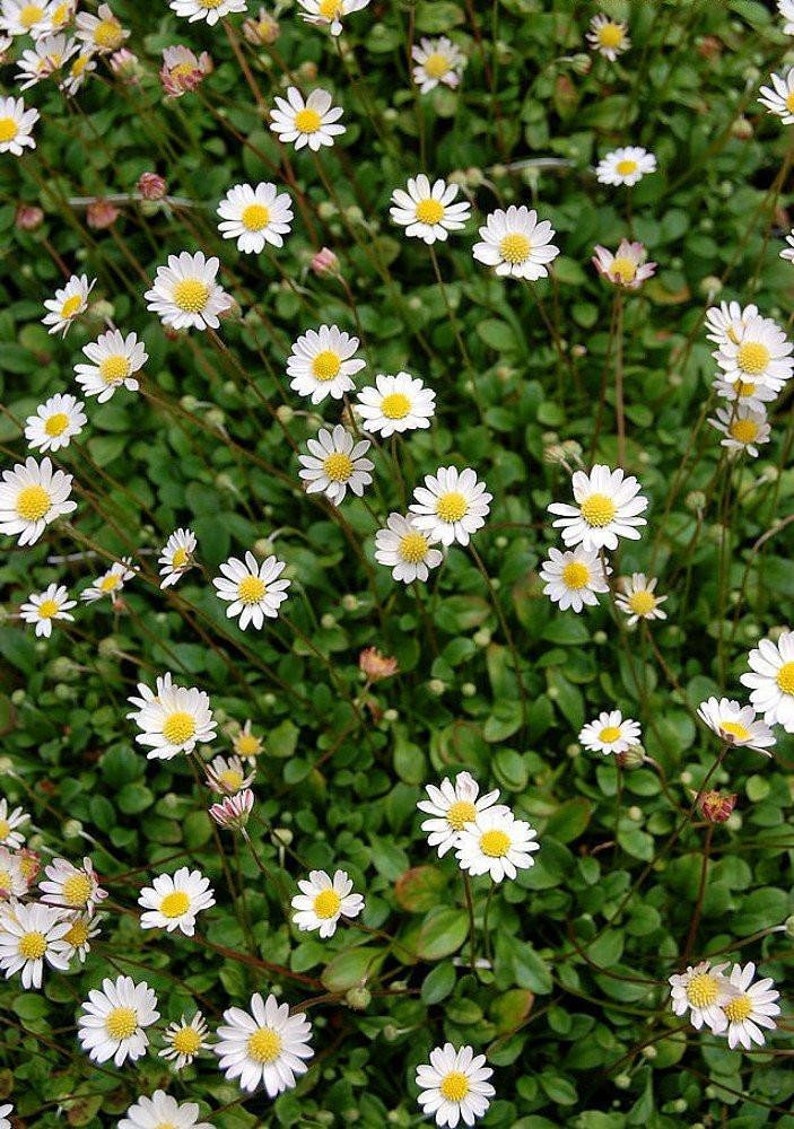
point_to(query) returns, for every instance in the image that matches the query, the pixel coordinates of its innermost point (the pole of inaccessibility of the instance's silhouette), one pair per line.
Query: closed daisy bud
(262, 29)
(233, 811)
(151, 186)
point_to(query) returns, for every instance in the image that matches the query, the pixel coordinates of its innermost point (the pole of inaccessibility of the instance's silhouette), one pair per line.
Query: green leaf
(438, 983)
(442, 933)
(352, 967)
(420, 889)
(570, 820)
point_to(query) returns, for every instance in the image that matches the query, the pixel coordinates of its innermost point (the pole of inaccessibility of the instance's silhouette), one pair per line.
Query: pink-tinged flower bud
(233, 811)
(29, 217)
(377, 666)
(716, 807)
(151, 186)
(325, 262)
(261, 30)
(127, 66)
(101, 214)
(627, 267)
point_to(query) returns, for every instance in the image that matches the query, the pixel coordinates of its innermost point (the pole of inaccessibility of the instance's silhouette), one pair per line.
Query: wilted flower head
(716, 807)
(375, 665)
(262, 29)
(151, 186)
(101, 214)
(627, 267)
(183, 70)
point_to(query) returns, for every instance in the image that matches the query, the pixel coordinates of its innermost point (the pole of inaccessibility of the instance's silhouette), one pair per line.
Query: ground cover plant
(397, 693)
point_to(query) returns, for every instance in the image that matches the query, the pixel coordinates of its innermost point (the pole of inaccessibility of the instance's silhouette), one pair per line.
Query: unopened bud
(716, 807)
(261, 30)
(742, 129)
(631, 758)
(358, 998)
(325, 262)
(151, 186)
(28, 217)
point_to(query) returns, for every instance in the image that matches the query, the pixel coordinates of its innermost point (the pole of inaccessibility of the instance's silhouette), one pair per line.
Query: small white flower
(322, 363)
(743, 428)
(102, 33)
(786, 9)
(81, 66)
(30, 935)
(428, 212)
(13, 883)
(736, 724)
(247, 744)
(608, 506)
(173, 900)
(32, 496)
(496, 843)
(610, 733)
(226, 776)
(48, 55)
(60, 13)
(185, 294)
(608, 37)
(438, 60)
(574, 578)
(758, 351)
(113, 1020)
(625, 166)
(788, 252)
(323, 901)
(5, 1110)
(727, 320)
(779, 97)
(406, 549)
(515, 244)
(255, 216)
(313, 122)
(747, 392)
(772, 680)
(184, 1040)
(55, 423)
(751, 1008)
(44, 607)
(110, 583)
(395, 404)
(209, 10)
(23, 17)
(627, 267)
(71, 887)
(9, 822)
(451, 505)
(336, 464)
(638, 600)
(68, 303)
(330, 12)
(161, 1111)
(115, 360)
(267, 1046)
(233, 811)
(172, 719)
(82, 930)
(702, 991)
(253, 590)
(177, 556)
(451, 806)
(454, 1085)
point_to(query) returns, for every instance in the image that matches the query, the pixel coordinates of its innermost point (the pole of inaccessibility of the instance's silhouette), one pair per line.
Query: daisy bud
(151, 186)
(325, 262)
(101, 214)
(263, 548)
(358, 998)
(376, 665)
(742, 129)
(632, 758)
(709, 47)
(581, 64)
(468, 689)
(28, 217)
(72, 829)
(127, 66)
(789, 926)
(716, 807)
(390, 715)
(261, 31)
(436, 686)
(233, 811)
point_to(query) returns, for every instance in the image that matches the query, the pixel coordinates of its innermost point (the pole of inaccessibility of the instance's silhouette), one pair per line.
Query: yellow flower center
(610, 35)
(209, 4)
(29, 866)
(624, 269)
(753, 357)
(5, 829)
(181, 69)
(6, 881)
(329, 9)
(626, 167)
(114, 369)
(61, 15)
(179, 727)
(109, 34)
(642, 602)
(790, 102)
(743, 430)
(702, 990)
(327, 903)
(745, 388)
(191, 295)
(56, 424)
(251, 590)
(187, 1041)
(78, 934)
(47, 609)
(452, 506)
(231, 779)
(30, 15)
(8, 129)
(79, 65)
(326, 365)
(395, 406)
(430, 211)
(785, 678)
(255, 217)
(735, 729)
(32, 946)
(515, 248)
(264, 1045)
(307, 121)
(77, 889)
(175, 904)
(33, 502)
(598, 510)
(454, 1086)
(739, 1009)
(495, 844)
(437, 65)
(338, 467)
(109, 582)
(609, 734)
(461, 812)
(247, 745)
(179, 558)
(71, 306)
(575, 575)
(121, 1022)
(413, 547)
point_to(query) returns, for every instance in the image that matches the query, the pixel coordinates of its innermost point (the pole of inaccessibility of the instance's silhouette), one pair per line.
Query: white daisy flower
(451, 505)
(55, 423)
(71, 887)
(30, 935)
(321, 363)
(395, 404)
(496, 843)
(173, 900)
(786, 9)
(330, 12)
(111, 582)
(627, 267)
(48, 54)
(32, 496)
(113, 1020)
(82, 930)
(427, 212)
(313, 122)
(610, 733)
(438, 60)
(702, 991)
(16, 123)
(44, 607)
(161, 1111)
(266, 1047)
(185, 294)
(406, 549)
(336, 464)
(209, 10)
(255, 216)
(254, 590)
(736, 724)
(608, 37)
(752, 1008)
(638, 600)
(13, 883)
(246, 744)
(727, 320)
(20, 17)
(184, 1040)
(747, 392)
(574, 578)
(226, 776)
(625, 166)
(233, 811)
(779, 97)
(176, 556)
(101, 33)
(9, 821)
(608, 506)
(115, 359)
(761, 353)
(743, 429)
(771, 680)
(5, 1110)
(60, 13)
(515, 244)
(172, 719)
(454, 1085)
(788, 252)
(81, 66)
(324, 900)
(451, 806)
(68, 303)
